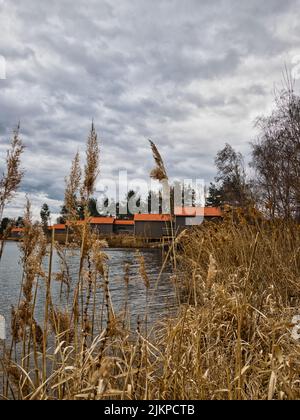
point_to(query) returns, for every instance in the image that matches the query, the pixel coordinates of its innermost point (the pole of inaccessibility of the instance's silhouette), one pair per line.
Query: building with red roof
(184, 216)
(59, 228)
(103, 225)
(206, 212)
(124, 227)
(152, 226)
(16, 233)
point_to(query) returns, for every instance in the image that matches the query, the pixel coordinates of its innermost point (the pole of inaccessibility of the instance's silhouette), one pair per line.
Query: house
(182, 214)
(152, 226)
(59, 229)
(124, 227)
(102, 225)
(16, 233)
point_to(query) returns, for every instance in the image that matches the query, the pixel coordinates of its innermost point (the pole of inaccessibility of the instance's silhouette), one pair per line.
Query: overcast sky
(189, 74)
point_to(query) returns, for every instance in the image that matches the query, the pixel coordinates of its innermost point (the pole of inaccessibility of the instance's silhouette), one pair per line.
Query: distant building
(124, 227)
(152, 226)
(103, 225)
(59, 229)
(184, 213)
(16, 233)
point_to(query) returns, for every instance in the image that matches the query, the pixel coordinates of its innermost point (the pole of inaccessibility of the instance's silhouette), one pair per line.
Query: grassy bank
(239, 289)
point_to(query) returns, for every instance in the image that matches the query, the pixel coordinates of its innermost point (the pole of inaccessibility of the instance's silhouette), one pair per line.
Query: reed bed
(231, 339)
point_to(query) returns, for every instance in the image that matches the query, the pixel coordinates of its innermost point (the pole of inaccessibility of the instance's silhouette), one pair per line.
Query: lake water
(161, 293)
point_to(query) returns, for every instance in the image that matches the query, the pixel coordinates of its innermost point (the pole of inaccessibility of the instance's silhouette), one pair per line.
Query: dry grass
(72, 189)
(239, 289)
(11, 178)
(239, 286)
(233, 337)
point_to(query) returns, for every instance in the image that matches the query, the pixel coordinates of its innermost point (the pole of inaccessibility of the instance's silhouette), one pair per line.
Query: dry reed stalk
(72, 189)
(126, 281)
(160, 174)
(64, 276)
(12, 177)
(91, 170)
(48, 306)
(24, 326)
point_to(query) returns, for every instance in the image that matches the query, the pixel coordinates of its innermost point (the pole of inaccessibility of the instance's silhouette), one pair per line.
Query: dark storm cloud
(191, 75)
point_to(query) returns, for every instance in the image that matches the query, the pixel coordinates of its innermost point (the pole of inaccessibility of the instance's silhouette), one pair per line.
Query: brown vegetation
(231, 339)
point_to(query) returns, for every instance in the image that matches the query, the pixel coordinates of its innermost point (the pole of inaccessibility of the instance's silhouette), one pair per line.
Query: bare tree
(276, 155)
(232, 186)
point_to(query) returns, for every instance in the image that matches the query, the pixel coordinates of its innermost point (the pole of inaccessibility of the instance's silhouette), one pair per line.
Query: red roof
(102, 220)
(17, 230)
(124, 222)
(58, 227)
(152, 217)
(199, 211)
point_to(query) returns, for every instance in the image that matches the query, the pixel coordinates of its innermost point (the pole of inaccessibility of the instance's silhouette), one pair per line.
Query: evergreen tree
(45, 217)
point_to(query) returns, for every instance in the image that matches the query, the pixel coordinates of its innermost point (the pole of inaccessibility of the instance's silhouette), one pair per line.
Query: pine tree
(45, 217)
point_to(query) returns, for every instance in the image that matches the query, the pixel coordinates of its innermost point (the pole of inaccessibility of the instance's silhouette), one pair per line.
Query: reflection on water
(161, 295)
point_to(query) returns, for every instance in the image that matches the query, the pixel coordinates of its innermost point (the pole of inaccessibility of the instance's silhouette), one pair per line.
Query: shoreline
(117, 242)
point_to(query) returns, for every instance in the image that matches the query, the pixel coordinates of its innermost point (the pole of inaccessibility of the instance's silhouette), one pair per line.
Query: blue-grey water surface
(162, 291)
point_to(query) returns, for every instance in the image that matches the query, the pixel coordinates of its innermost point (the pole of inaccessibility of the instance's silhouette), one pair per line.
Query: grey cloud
(190, 75)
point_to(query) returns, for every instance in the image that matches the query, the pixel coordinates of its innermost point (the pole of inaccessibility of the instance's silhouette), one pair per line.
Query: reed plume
(72, 188)
(91, 170)
(10, 181)
(12, 177)
(159, 171)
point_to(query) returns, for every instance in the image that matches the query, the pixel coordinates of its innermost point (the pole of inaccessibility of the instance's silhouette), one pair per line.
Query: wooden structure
(103, 225)
(16, 233)
(59, 229)
(182, 214)
(124, 227)
(152, 226)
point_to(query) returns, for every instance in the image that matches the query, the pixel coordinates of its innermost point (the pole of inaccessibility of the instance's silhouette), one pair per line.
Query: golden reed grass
(230, 338)
(11, 178)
